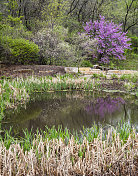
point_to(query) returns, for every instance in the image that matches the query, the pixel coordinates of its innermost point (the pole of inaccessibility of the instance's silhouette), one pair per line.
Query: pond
(73, 110)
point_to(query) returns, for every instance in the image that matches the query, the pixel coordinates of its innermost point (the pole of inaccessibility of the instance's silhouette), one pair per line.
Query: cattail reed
(54, 156)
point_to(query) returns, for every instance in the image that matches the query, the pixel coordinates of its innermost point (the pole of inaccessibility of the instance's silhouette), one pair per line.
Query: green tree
(122, 11)
(55, 12)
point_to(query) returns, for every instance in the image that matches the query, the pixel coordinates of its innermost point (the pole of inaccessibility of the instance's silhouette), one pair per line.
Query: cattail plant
(57, 152)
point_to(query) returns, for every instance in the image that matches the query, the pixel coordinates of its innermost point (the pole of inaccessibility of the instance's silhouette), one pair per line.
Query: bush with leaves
(54, 49)
(134, 44)
(18, 51)
(131, 55)
(111, 41)
(15, 47)
(87, 46)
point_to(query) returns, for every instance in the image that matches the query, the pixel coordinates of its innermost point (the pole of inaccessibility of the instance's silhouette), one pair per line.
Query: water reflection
(105, 106)
(72, 110)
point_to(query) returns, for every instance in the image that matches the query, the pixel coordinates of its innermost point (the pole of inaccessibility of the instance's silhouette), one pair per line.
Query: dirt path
(28, 70)
(15, 71)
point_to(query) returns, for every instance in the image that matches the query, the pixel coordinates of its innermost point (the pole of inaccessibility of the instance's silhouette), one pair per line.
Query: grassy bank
(57, 152)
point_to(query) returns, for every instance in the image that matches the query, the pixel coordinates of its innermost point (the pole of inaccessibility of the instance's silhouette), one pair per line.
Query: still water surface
(73, 110)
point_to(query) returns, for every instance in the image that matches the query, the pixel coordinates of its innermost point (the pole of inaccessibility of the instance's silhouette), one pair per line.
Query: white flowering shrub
(58, 48)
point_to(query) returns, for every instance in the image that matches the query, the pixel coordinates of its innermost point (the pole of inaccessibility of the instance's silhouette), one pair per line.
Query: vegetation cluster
(15, 91)
(52, 32)
(46, 32)
(57, 152)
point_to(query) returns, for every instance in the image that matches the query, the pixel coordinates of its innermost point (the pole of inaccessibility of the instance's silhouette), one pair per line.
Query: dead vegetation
(56, 157)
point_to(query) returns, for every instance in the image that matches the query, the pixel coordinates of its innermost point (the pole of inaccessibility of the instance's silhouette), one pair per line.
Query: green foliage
(134, 41)
(124, 130)
(14, 28)
(55, 12)
(114, 76)
(121, 11)
(90, 133)
(131, 61)
(27, 141)
(73, 25)
(13, 44)
(61, 32)
(101, 75)
(1, 17)
(8, 139)
(14, 21)
(12, 4)
(86, 63)
(19, 51)
(134, 45)
(132, 78)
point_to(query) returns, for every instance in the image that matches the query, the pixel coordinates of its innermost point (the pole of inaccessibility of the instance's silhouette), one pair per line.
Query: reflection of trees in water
(72, 110)
(103, 106)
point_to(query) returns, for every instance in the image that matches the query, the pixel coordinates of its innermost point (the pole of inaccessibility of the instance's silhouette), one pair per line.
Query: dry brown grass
(54, 157)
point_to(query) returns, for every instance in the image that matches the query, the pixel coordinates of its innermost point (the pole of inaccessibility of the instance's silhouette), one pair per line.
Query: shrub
(15, 46)
(85, 46)
(19, 51)
(86, 63)
(111, 41)
(54, 49)
(134, 42)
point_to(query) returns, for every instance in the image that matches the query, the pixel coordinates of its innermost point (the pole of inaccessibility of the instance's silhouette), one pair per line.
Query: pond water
(73, 110)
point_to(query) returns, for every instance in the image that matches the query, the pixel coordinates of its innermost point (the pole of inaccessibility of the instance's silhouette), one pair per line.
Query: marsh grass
(93, 151)
(130, 78)
(114, 76)
(17, 91)
(58, 152)
(101, 75)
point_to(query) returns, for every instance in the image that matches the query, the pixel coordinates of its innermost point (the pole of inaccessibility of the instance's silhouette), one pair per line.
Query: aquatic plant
(57, 152)
(17, 91)
(129, 77)
(114, 76)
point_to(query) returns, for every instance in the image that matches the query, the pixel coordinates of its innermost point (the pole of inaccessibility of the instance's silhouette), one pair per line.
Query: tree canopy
(59, 21)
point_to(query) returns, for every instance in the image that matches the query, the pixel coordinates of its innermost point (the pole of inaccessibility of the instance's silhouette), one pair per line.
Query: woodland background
(47, 31)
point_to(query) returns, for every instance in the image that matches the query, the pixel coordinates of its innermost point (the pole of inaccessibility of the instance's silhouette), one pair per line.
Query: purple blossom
(111, 40)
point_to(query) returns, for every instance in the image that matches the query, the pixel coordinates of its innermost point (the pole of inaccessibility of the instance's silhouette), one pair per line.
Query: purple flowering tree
(111, 41)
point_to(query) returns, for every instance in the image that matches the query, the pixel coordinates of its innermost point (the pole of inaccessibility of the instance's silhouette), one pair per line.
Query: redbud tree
(111, 41)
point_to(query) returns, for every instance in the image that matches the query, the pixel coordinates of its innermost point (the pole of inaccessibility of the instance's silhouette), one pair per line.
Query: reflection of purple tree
(102, 106)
